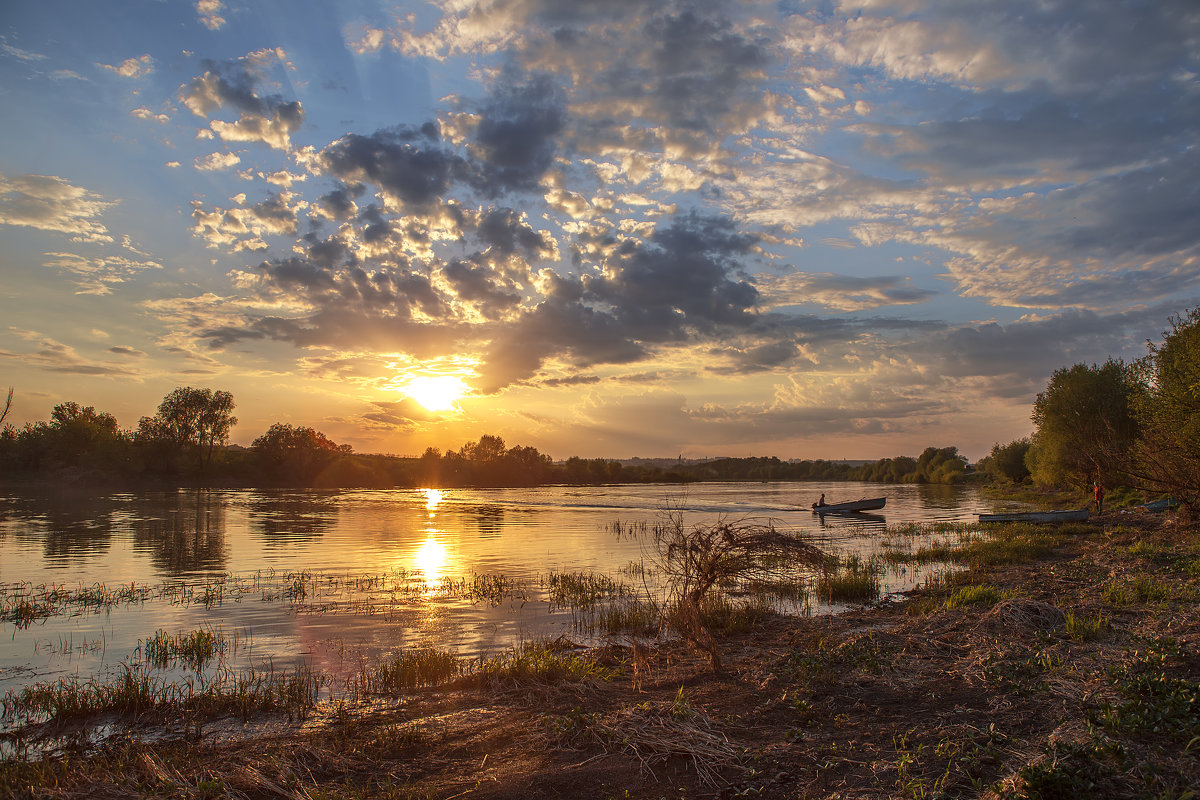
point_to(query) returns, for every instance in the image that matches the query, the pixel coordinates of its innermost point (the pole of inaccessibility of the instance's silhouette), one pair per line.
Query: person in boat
(820, 502)
(1098, 491)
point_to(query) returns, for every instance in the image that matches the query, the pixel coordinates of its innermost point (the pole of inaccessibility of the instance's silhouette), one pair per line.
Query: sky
(606, 229)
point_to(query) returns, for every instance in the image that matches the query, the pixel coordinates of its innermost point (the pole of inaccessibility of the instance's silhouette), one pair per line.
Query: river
(331, 578)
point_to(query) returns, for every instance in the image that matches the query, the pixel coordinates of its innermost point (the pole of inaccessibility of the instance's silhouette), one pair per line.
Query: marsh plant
(700, 561)
(854, 581)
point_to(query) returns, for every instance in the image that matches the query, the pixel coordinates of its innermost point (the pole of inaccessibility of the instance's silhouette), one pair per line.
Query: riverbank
(1065, 669)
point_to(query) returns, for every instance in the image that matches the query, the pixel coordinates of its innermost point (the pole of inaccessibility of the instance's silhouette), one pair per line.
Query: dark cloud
(683, 277)
(503, 230)
(339, 204)
(679, 284)
(411, 164)
(478, 284)
(517, 135)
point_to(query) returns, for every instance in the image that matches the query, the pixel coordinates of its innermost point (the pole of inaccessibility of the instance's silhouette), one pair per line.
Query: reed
(855, 581)
(409, 670)
(136, 689)
(194, 649)
(543, 661)
(583, 590)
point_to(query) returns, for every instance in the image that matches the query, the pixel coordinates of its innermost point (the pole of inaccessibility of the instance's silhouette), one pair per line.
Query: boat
(866, 504)
(1156, 506)
(1073, 515)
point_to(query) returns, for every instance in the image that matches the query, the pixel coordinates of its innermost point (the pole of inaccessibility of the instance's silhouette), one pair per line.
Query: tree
(295, 455)
(189, 419)
(1007, 461)
(1085, 426)
(7, 405)
(1168, 413)
(77, 432)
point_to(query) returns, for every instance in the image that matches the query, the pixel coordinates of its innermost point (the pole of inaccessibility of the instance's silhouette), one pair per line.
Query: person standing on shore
(1098, 490)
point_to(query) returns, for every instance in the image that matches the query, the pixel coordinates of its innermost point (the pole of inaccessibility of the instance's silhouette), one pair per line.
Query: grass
(409, 670)
(1085, 628)
(974, 595)
(137, 689)
(194, 649)
(542, 661)
(855, 581)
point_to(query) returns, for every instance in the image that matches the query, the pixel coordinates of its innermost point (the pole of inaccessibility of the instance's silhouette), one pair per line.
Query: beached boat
(866, 504)
(1156, 506)
(1075, 515)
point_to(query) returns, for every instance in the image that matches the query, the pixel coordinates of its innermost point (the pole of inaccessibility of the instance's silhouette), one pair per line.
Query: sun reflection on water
(430, 560)
(432, 498)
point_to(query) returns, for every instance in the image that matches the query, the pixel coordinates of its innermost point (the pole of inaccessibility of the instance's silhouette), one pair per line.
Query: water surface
(334, 577)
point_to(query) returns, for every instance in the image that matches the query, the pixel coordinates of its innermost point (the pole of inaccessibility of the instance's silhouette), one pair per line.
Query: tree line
(186, 442)
(1122, 425)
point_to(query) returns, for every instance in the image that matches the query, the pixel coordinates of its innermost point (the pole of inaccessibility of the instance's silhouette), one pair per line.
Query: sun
(436, 393)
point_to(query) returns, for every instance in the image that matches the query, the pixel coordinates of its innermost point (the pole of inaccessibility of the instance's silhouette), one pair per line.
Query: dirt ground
(1076, 675)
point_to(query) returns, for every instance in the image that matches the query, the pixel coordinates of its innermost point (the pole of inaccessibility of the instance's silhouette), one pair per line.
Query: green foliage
(1085, 426)
(1007, 461)
(295, 456)
(856, 581)
(189, 426)
(543, 662)
(974, 596)
(1168, 413)
(487, 462)
(934, 465)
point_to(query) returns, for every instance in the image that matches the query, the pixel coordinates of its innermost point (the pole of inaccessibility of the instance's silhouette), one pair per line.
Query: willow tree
(1085, 427)
(1168, 413)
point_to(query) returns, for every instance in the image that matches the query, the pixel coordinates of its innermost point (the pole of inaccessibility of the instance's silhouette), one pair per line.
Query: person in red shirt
(1099, 492)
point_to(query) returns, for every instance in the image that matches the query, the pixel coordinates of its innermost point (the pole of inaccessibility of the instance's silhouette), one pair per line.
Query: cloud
(516, 134)
(50, 203)
(363, 39)
(97, 275)
(132, 67)
(411, 165)
(54, 356)
(216, 161)
(27, 56)
(128, 352)
(210, 13)
(679, 286)
(141, 112)
(268, 119)
(840, 292)
(243, 227)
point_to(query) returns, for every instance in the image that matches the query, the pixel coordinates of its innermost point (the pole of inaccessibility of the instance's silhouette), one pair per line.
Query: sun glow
(436, 393)
(430, 560)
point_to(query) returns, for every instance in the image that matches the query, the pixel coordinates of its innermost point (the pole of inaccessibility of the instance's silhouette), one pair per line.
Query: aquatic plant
(408, 670)
(696, 560)
(855, 580)
(543, 661)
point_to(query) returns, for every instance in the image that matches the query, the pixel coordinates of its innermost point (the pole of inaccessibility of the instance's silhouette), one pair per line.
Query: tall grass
(137, 689)
(854, 581)
(408, 670)
(542, 661)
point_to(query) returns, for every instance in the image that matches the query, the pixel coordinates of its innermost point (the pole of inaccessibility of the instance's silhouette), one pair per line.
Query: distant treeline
(186, 443)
